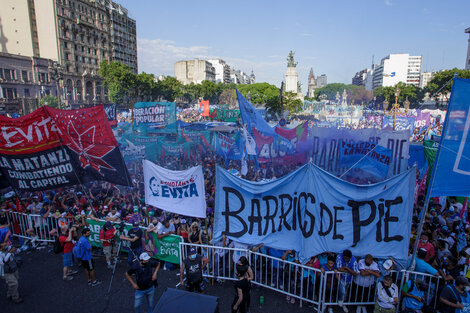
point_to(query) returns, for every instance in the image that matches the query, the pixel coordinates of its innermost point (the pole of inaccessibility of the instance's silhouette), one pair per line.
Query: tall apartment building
(194, 71)
(321, 81)
(364, 78)
(424, 79)
(75, 34)
(467, 61)
(396, 68)
(222, 71)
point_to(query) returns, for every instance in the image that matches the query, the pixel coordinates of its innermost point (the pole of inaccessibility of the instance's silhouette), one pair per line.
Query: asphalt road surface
(43, 290)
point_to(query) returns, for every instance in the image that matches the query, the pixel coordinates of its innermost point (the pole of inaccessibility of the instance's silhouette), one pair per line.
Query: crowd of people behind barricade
(443, 249)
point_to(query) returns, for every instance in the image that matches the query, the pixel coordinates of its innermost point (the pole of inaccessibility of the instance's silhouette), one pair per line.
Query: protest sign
(452, 166)
(326, 146)
(311, 211)
(401, 123)
(366, 156)
(154, 114)
(51, 148)
(165, 249)
(422, 119)
(180, 192)
(110, 110)
(223, 144)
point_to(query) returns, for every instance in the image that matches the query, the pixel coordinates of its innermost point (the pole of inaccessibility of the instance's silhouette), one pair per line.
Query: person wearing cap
(134, 236)
(386, 268)
(107, 239)
(145, 272)
(193, 266)
(455, 296)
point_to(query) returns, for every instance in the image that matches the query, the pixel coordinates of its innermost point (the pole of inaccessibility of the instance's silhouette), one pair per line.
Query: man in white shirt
(364, 282)
(114, 215)
(387, 296)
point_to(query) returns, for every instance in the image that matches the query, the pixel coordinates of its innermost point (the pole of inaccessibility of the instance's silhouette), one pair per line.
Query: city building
(424, 79)
(312, 85)
(194, 71)
(467, 62)
(23, 80)
(321, 81)
(396, 68)
(364, 78)
(240, 77)
(123, 36)
(252, 77)
(76, 35)
(222, 71)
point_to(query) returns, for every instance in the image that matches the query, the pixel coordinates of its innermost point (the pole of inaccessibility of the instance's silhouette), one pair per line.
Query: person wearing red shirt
(66, 242)
(107, 238)
(425, 244)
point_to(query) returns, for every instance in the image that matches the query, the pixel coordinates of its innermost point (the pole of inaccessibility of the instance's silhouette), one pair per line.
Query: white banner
(180, 192)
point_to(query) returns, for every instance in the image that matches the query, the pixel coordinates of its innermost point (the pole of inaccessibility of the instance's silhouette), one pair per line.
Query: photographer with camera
(66, 242)
(109, 243)
(146, 281)
(9, 272)
(134, 236)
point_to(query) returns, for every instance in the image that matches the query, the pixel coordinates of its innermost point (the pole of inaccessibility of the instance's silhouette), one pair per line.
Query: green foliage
(118, 78)
(170, 88)
(412, 93)
(291, 102)
(360, 96)
(263, 93)
(331, 90)
(441, 78)
(49, 100)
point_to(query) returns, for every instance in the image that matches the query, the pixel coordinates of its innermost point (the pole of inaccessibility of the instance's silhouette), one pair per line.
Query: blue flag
(452, 166)
(252, 119)
(367, 156)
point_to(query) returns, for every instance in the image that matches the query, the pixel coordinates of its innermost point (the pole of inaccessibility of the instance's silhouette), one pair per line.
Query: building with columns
(75, 35)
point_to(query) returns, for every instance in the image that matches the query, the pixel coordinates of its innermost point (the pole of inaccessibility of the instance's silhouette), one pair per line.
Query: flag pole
(433, 176)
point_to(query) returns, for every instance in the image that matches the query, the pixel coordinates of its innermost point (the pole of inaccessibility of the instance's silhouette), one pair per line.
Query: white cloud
(158, 56)
(388, 2)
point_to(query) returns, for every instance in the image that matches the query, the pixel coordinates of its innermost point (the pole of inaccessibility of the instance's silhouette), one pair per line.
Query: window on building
(26, 93)
(42, 77)
(8, 75)
(24, 76)
(66, 45)
(1, 72)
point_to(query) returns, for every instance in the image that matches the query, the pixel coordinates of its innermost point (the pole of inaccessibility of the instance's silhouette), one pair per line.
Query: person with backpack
(83, 252)
(413, 293)
(65, 245)
(145, 272)
(9, 272)
(454, 298)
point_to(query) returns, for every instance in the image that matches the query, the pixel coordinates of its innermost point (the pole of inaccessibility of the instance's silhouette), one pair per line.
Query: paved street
(43, 290)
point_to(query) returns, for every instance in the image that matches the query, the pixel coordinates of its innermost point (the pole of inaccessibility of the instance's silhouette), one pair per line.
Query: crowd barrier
(307, 284)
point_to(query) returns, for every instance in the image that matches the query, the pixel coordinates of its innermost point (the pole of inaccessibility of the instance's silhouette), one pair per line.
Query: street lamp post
(395, 106)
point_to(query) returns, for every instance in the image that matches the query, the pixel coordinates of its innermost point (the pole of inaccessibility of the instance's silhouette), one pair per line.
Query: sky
(334, 37)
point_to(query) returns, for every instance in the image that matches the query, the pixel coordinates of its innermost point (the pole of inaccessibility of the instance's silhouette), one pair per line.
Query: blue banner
(401, 123)
(370, 158)
(452, 166)
(223, 144)
(312, 211)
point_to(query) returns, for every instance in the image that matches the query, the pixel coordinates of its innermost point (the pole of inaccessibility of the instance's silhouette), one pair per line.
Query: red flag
(205, 107)
(213, 114)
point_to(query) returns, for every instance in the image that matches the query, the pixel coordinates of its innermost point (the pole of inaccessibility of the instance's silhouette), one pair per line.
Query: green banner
(165, 249)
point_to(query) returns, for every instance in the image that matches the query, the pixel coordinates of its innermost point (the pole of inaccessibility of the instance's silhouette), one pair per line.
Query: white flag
(180, 192)
(250, 143)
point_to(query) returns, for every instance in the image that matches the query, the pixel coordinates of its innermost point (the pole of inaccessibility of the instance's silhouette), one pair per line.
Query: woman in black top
(242, 291)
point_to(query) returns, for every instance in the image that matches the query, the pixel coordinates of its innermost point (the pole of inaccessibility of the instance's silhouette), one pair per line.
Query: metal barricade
(434, 284)
(221, 259)
(35, 226)
(292, 279)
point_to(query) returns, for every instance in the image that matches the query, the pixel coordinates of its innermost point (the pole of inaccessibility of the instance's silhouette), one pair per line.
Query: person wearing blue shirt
(413, 294)
(87, 258)
(421, 265)
(347, 265)
(277, 272)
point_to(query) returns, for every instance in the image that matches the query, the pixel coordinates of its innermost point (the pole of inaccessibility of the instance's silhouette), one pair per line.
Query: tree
(119, 80)
(170, 88)
(49, 100)
(384, 93)
(360, 96)
(291, 102)
(210, 90)
(145, 88)
(437, 85)
(263, 93)
(331, 90)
